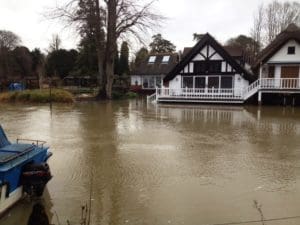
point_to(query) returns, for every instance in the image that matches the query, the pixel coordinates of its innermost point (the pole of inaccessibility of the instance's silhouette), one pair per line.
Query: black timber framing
(207, 40)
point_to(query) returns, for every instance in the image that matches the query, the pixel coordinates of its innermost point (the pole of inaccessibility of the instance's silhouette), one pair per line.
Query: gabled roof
(207, 39)
(292, 32)
(157, 67)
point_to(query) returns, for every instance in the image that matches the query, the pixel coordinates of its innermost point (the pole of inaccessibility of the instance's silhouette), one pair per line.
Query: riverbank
(37, 96)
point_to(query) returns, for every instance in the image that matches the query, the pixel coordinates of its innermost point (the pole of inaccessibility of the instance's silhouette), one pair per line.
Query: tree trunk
(101, 75)
(99, 48)
(111, 46)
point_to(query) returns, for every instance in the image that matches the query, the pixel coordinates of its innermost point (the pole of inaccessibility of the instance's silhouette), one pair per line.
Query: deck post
(258, 114)
(293, 101)
(259, 98)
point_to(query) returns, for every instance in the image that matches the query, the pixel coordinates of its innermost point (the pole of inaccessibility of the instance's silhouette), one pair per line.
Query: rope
(259, 221)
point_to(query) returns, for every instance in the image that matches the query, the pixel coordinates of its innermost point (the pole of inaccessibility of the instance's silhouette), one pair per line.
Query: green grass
(37, 96)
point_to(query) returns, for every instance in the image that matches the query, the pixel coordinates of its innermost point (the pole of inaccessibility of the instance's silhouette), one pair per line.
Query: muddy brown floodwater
(163, 164)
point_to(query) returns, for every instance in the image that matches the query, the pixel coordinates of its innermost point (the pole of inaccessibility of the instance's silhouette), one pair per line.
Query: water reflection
(164, 164)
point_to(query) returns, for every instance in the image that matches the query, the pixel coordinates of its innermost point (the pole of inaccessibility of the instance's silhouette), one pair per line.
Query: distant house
(150, 73)
(281, 59)
(278, 65)
(212, 73)
(208, 72)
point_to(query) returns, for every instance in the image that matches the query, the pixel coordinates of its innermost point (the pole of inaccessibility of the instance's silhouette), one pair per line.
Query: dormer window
(152, 59)
(166, 59)
(291, 50)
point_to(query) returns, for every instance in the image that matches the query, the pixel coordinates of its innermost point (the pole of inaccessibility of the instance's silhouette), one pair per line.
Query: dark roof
(292, 32)
(232, 50)
(186, 51)
(158, 67)
(191, 53)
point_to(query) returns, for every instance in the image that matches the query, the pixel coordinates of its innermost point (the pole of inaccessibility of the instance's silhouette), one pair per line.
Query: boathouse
(278, 69)
(150, 73)
(208, 72)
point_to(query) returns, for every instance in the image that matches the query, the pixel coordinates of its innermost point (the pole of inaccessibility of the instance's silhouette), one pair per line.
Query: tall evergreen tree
(161, 45)
(140, 56)
(117, 64)
(86, 63)
(61, 62)
(124, 59)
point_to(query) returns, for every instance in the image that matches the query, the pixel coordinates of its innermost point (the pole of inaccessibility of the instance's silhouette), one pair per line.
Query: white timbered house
(206, 73)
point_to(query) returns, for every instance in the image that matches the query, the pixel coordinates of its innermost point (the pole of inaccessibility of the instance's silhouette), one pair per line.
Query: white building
(150, 73)
(206, 73)
(278, 66)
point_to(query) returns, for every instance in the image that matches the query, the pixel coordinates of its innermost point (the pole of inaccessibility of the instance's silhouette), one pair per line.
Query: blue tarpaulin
(16, 87)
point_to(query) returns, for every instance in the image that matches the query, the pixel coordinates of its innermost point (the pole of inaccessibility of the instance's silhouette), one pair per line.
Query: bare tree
(123, 19)
(256, 32)
(55, 43)
(273, 18)
(89, 20)
(9, 40)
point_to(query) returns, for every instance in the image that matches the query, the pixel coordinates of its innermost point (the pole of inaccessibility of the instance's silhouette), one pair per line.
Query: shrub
(37, 96)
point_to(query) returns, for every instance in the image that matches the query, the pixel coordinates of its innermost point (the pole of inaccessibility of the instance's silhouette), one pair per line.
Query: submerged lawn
(37, 96)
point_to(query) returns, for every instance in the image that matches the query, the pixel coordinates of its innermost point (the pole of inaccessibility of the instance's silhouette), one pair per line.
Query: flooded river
(163, 164)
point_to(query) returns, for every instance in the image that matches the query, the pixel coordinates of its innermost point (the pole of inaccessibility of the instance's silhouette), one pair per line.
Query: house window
(158, 82)
(214, 66)
(199, 67)
(187, 82)
(213, 82)
(291, 50)
(152, 59)
(145, 82)
(166, 59)
(151, 82)
(226, 82)
(199, 82)
(271, 72)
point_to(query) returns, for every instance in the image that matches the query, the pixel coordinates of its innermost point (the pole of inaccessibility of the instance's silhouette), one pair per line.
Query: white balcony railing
(273, 84)
(279, 83)
(199, 93)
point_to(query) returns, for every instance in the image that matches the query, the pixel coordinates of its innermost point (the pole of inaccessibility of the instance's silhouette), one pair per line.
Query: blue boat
(23, 169)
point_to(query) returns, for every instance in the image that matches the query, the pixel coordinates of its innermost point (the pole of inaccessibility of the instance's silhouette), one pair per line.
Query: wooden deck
(227, 96)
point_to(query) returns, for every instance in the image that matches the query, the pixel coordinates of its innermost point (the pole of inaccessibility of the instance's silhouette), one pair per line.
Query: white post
(258, 114)
(259, 98)
(186, 92)
(260, 71)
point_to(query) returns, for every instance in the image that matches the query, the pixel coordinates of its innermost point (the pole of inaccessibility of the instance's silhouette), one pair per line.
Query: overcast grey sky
(221, 18)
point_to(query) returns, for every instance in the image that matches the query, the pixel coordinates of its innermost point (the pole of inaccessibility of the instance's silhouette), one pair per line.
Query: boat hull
(8, 202)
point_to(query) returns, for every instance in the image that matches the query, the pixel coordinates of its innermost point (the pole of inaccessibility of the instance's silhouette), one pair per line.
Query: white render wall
(136, 78)
(240, 83)
(175, 83)
(282, 56)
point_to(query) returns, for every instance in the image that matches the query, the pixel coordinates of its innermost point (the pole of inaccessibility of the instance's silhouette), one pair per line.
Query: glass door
(200, 82)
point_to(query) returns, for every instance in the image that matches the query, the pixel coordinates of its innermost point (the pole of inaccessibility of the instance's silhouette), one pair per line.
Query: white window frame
(166, 59)
(152, 59)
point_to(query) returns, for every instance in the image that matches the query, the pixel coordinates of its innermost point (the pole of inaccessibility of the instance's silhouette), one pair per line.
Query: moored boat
(23, 169)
